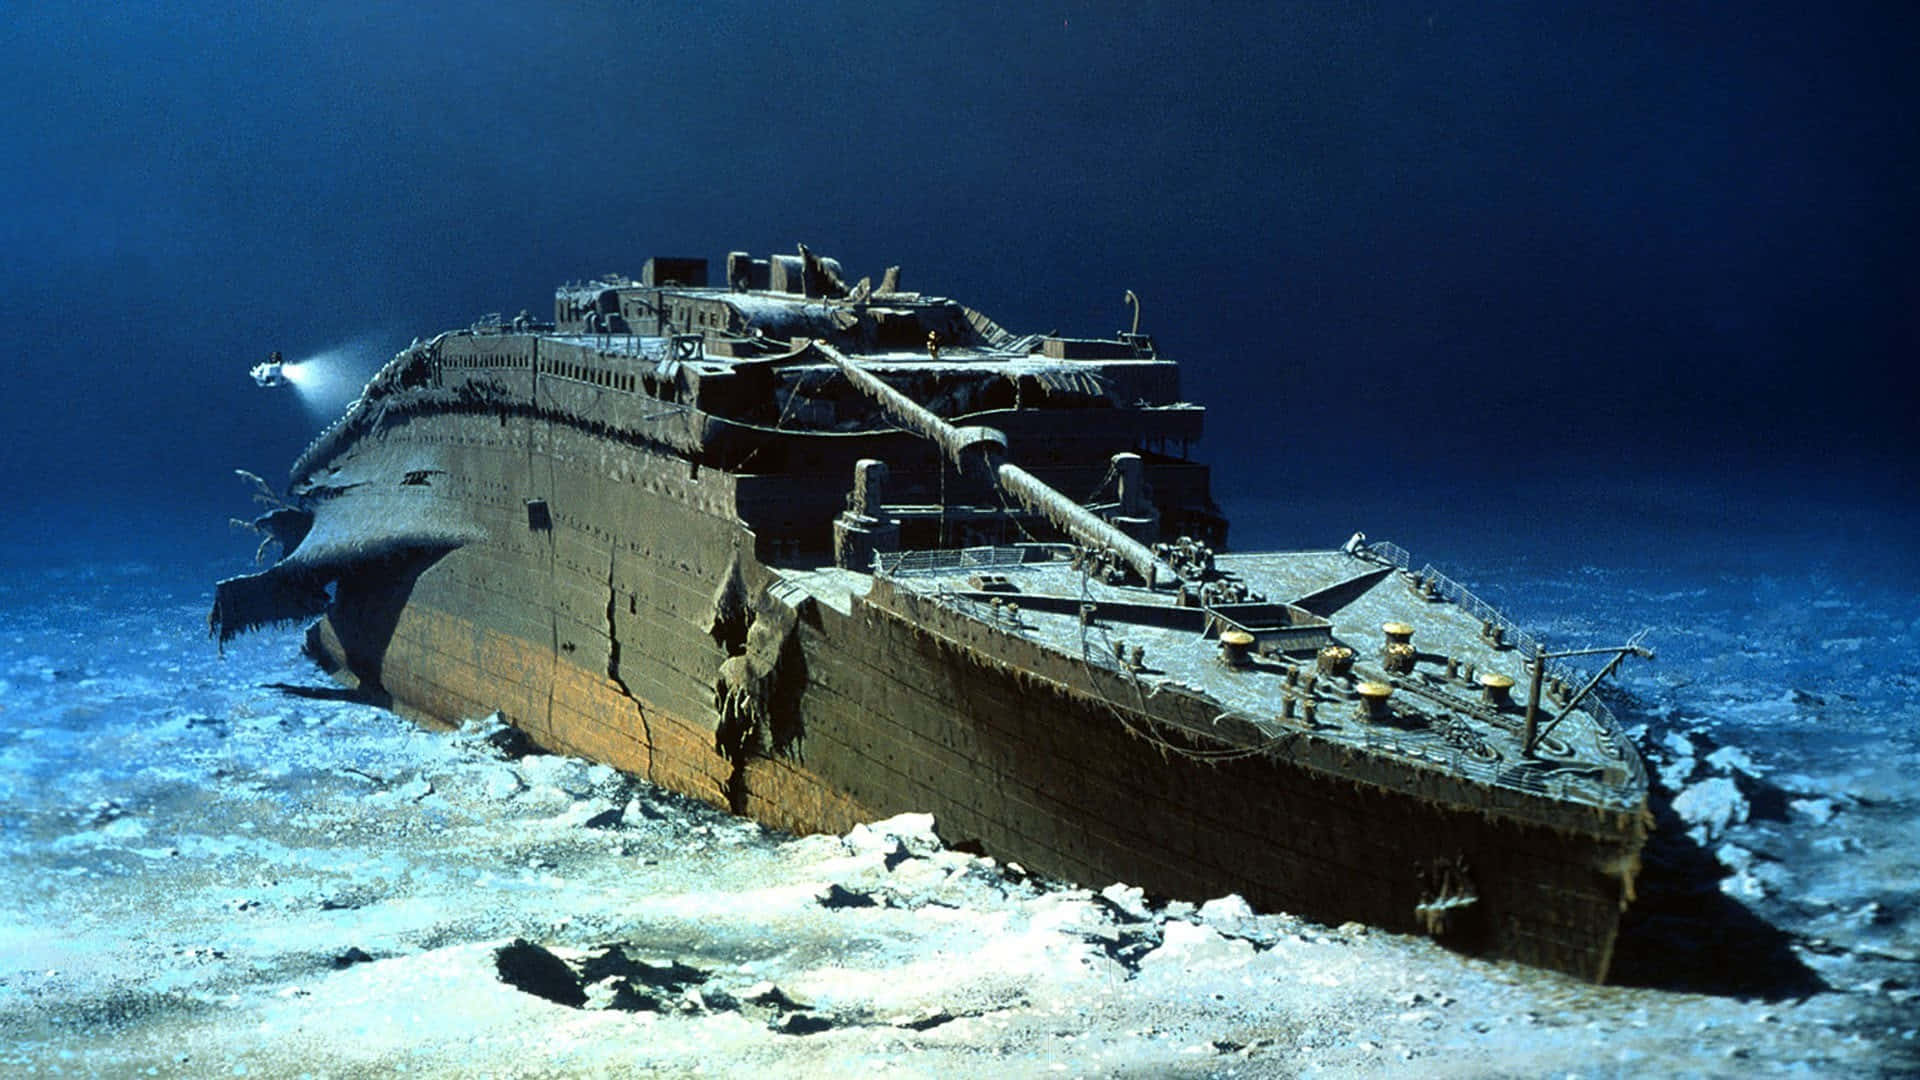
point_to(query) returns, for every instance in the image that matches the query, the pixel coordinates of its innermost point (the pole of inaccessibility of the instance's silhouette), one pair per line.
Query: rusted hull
(1038, 770)
(897, 716)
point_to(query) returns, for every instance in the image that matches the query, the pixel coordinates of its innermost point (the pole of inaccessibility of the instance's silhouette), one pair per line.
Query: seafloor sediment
(221, 864)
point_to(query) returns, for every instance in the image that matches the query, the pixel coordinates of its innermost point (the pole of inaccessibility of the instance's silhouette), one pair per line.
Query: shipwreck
(821, 552)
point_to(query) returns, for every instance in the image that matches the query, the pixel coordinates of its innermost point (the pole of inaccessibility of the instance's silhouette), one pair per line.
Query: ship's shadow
(353, 695)
(1683, 933)
(367, 602)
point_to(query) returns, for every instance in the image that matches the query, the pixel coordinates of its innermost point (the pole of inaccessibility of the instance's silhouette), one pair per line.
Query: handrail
(925, 560)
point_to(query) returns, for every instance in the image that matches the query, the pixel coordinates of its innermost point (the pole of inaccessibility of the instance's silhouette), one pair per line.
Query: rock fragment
(511, 743)
(836, 897)
(531, 969)
(1230, 910)
(924, 1021)
(897, 838)
(353, 955)
(1712, 806)
(1732, 759)
(1816, 811)
(766, 993)
(1127, 900)
(801, 1023)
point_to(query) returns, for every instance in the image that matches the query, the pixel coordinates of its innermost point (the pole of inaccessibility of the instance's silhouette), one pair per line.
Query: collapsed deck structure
(821, 553)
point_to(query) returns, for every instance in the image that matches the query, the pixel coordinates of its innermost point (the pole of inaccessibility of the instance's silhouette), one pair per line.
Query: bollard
(1233, 648)
(1373, 701)
(1336, 660)
(1496, 689)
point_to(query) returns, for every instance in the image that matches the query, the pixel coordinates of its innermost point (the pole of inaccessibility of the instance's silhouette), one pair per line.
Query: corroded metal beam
(1033, 493)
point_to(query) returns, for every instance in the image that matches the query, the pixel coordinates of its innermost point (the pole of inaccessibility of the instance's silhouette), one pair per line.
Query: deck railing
(1527, 645)
(888, 564)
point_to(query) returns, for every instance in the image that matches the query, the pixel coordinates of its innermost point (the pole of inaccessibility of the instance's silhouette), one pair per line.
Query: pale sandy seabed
(207, 875)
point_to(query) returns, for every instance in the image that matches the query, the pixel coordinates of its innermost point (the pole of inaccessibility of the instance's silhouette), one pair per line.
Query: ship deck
(1295, 603)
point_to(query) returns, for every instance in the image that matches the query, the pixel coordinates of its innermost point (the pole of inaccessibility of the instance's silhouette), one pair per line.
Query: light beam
(327, 382)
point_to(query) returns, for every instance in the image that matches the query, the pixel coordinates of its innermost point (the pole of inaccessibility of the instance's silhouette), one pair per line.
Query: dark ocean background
(1617, 267)
(1611, 311)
